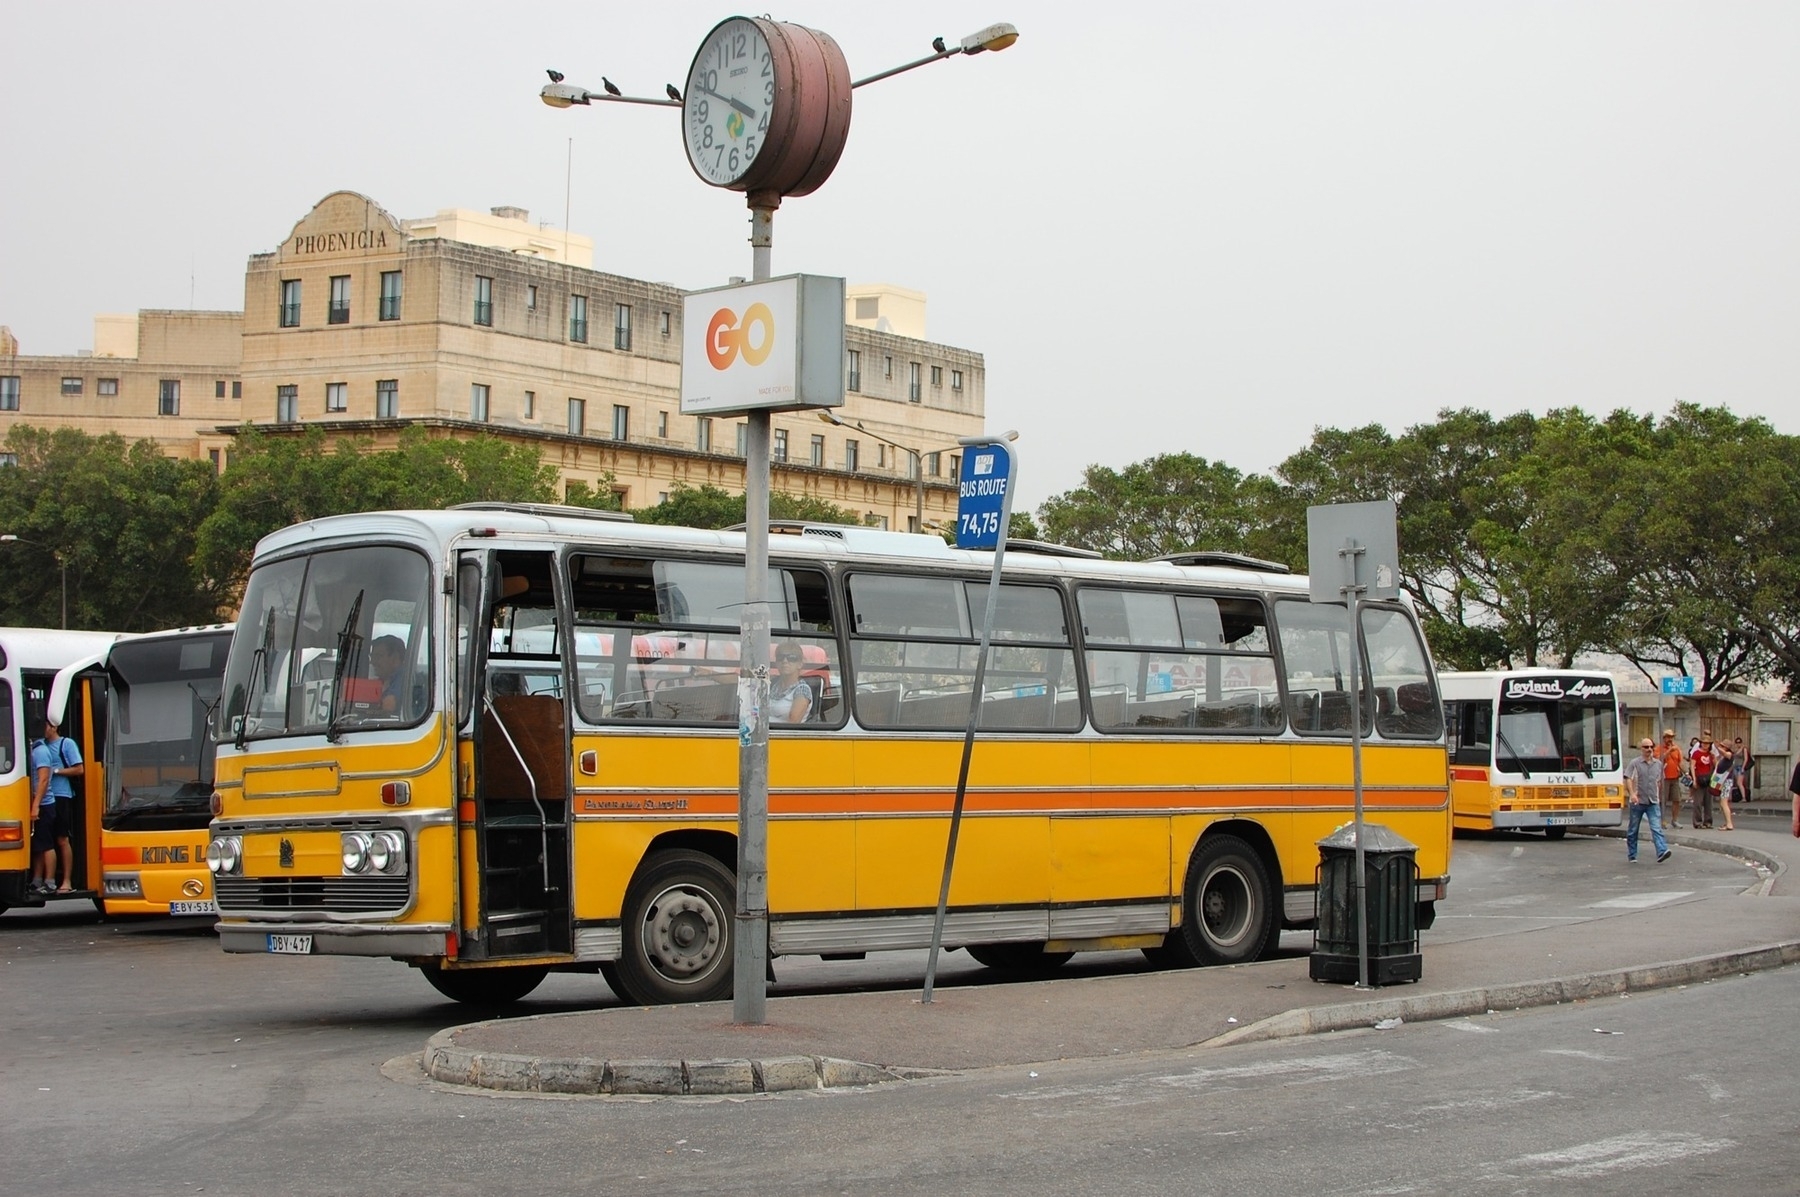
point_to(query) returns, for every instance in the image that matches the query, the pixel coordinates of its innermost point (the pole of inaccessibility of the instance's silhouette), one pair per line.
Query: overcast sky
(1186, 226)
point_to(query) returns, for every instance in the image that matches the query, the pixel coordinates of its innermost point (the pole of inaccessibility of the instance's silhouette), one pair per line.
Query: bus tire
(1027, 959)
(678, 924)
(1424, 915)
(486, 987)
(1227, 907)
(1555, 833)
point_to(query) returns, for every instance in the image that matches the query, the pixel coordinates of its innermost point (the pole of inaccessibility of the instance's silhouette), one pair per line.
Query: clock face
(725, 109)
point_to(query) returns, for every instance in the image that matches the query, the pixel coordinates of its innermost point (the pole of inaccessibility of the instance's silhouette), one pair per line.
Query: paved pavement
(863, 1038)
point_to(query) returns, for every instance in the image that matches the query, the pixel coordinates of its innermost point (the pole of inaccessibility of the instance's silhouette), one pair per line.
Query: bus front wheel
(484, 986)
(1026, 959)
(1228, 908)
(677, 931)
(1555, 833)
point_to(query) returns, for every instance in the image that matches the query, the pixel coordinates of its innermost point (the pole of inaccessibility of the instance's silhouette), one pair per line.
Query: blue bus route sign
(981, 487)
(1678, 685)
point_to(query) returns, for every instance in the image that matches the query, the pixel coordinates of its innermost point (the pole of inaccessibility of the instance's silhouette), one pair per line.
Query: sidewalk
(862, 1038)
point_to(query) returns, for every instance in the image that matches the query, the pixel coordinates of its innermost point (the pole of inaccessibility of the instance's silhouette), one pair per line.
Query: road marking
(1714, 1090)
(1463, 1024)
(1494, 1102)
(1345, 1066)
(1621, 1153)
(1640, 901)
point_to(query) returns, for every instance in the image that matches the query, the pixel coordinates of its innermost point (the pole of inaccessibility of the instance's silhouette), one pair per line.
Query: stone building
(467, 322)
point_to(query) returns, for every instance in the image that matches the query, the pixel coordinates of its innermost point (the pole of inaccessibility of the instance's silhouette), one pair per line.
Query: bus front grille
(346, 894)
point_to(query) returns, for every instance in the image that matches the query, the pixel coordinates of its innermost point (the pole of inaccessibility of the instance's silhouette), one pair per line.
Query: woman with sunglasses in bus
(790, 695)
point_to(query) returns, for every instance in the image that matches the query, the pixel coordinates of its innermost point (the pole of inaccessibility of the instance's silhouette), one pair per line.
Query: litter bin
(1390, 876)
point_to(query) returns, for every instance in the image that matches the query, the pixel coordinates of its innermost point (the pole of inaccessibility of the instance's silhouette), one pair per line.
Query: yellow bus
(1534, 749)
(42, 670)
(498, 740)
(162, 688)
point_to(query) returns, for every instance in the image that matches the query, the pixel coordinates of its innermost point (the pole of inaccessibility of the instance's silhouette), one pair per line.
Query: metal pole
(918, 490)
(64, 562)
(750, 949)
(1353, 592)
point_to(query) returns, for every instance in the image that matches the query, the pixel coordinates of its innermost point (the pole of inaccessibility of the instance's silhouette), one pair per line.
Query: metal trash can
(1391, 876)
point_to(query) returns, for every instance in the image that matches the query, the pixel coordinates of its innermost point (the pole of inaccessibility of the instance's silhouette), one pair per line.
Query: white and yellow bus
(542, 773)
(1534, 749)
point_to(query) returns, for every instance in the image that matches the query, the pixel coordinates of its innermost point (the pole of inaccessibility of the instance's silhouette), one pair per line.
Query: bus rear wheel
(678, 921)
(1555, 833)
(488, 987)
(1026, 959)
(1228, 908)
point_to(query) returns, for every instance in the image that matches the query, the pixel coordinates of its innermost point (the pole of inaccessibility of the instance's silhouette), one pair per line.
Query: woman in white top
(790, 698)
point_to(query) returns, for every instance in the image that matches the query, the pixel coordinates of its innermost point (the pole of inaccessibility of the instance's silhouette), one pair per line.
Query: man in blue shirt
(43, 821)
(58, 755)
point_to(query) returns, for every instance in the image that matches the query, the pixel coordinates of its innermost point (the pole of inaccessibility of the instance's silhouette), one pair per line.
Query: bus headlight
(225, 855)
(356, 852)
(387, 852)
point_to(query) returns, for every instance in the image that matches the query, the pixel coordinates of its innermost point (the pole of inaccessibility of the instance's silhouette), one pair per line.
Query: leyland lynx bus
(1534, 749)
(495, 741)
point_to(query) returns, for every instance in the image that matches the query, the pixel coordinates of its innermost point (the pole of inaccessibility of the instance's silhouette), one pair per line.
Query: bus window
(8, 749)
(1184, 662)
(1406, 701)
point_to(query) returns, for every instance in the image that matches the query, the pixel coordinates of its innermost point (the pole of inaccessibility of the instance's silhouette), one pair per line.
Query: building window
(780, 446)
(703, 434)
(72, 386)
(880, 456)
(108, 388)
(528, 409)
(743, 440)
(956, 380)
(912, 381)
(818, 450)
(168, 397)
(218, 389)
(387, 399)
(478, 402)
(937, 377)
(621, 422)
(956, 465)
(237, 389)
(665, 324)
(887, 367)
(933, 462)
(876, 521)
(287, 405)
(290, 303)
(855, 373)
(577, 417)
(662, 425)
(622, 326)
(339, 311)
(531, 297)
(9, 392)
(484, 300)
(9, 459)
(390, 295)
(850, 456)
(217, 458)
(578, 318)
(337, 396)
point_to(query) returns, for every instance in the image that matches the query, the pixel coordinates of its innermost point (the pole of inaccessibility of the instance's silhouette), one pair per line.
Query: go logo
(726, 337)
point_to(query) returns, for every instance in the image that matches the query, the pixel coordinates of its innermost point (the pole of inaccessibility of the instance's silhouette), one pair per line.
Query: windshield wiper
(349, 648)
(1507, 744)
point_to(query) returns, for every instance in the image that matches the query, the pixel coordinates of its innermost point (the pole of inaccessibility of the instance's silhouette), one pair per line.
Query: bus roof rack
(555, 510)
(1224, 560)
(1049, 549)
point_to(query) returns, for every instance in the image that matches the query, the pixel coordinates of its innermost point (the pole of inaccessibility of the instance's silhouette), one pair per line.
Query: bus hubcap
(682, 932)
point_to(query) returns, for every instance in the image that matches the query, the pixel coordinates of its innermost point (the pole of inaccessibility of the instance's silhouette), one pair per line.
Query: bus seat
(1303, 709)
(878, 704)
(535, 723)
(1109, 706)
(1007, 709)
(696, 702)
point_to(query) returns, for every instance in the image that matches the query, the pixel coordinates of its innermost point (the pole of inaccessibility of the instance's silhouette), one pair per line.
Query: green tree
(116, 520)
(1166, 504)
(711, 507)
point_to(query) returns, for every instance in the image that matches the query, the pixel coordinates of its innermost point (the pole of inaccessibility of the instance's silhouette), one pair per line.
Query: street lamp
(9, 538)
(918, 458)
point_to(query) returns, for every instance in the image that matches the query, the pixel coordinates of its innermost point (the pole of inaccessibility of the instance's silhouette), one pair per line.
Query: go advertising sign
(772, 345)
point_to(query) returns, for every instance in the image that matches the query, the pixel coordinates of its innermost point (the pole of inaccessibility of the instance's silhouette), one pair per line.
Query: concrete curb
(1512, 996)
(445, 1061)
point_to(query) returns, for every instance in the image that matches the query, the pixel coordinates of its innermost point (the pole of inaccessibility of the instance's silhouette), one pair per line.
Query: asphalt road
(138, 1058)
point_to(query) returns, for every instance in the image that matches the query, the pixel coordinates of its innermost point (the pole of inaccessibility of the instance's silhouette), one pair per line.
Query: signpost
(1359, 545)
(983, 509)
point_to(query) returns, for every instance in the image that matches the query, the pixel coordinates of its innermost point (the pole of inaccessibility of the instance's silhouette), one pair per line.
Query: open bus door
(513, 754)
(79, 695)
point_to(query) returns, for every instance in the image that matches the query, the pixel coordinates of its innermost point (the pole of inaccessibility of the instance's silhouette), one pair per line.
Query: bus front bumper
(413, 941)
(1537, 820)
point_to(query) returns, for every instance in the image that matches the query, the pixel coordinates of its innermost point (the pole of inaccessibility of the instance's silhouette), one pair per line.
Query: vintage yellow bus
(1534, 750)
(161, 691)
(497, 740)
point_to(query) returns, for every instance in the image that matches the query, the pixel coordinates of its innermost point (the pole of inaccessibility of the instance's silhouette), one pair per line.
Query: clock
(767, 107)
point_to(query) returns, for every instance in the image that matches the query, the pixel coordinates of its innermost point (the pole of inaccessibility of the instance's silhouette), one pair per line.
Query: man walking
(1643, 786)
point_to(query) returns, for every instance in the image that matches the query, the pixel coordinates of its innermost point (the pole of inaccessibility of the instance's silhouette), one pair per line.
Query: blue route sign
(983, 492)
(1678, 685)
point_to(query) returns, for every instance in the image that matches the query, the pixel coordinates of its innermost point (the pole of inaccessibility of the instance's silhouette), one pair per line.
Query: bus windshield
(333, 642)
(160, 759)
(1538, 736)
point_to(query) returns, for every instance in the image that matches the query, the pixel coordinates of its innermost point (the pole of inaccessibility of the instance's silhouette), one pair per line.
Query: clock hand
(749, 112)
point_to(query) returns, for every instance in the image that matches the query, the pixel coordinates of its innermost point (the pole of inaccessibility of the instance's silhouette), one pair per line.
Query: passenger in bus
(59, 753)
(387, 657)
(790, 695)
